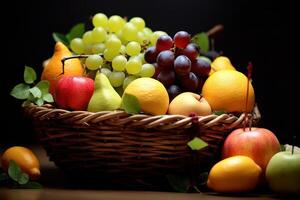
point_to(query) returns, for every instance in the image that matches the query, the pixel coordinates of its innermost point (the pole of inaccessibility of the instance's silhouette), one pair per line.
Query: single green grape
(87, 38)
(147, 70)
(88, 49)
(133, 66)
(148, 33)
(105, 71)
(113, 44)
(93, 62)
(100, 20)
(138, 22)
(109, 55)
(116, 78)
(129, 32)
(133, 48)
(115, 23)
(155, 36)
(77, 46)
(98, 48)
(98, 35)
(119, 62)
(142, 58)
(141, 37)
(128, 80)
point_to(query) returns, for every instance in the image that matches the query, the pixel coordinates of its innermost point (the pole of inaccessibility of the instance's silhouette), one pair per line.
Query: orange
(221, 63)
(25, 159)
(226, 90)
(53, 69)
(151, 94)
(234, 174)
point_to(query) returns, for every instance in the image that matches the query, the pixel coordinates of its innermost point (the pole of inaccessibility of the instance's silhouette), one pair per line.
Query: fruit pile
(124, 65)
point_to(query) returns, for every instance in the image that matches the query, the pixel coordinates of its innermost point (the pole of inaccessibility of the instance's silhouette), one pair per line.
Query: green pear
(105, 97)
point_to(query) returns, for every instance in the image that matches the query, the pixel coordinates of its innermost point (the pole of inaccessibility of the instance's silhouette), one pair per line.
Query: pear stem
(249, 69)
(72, 57)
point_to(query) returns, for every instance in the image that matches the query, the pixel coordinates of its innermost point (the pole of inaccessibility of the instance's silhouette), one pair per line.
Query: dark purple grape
(173, 91)
(167, 78)
(182, 65)
(164, 42)
(191, 51)
(165, 59)
(157, 70)
(150, 55)
(189, 82)
(201, 67)
(181, 39)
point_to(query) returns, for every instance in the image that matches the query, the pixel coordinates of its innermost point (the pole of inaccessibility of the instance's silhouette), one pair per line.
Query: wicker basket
(115, 144)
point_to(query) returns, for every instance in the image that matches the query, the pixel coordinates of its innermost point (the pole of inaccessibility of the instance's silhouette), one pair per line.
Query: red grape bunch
(177, 64)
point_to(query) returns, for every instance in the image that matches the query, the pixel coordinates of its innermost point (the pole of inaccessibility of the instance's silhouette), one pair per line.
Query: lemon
(234, 174)
(226, 90)
(151, 94)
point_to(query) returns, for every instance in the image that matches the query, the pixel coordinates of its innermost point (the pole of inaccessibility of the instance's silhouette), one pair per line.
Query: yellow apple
(187, 103)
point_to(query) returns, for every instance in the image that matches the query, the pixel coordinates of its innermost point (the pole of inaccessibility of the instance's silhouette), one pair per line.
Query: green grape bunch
(116, 47)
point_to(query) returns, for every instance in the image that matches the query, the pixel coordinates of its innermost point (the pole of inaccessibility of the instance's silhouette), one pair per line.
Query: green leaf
(39, 102)
(58, 37)
(202, 40)
(48, 98)
(179, 183)
(20, 91)
(23, 179)
(76, 32)
(43, 86)
(14, 171)
(197, 144)
(29, 75)
(130, 104)
(3, 176)
(32, 185)
(36, 92)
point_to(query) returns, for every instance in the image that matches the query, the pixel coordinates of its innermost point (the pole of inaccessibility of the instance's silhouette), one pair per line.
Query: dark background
(254, 31)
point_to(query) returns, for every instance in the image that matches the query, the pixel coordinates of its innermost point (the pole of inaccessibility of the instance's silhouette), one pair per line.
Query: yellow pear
(221, 63)
(52, 71)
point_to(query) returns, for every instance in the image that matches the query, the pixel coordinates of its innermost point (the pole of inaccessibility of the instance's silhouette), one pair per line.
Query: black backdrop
(256, 32)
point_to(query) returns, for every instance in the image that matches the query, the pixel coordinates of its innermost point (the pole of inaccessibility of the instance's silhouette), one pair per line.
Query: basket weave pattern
(114, 142)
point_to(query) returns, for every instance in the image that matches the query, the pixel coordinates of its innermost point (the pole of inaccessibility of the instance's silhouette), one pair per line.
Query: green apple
(283, 172)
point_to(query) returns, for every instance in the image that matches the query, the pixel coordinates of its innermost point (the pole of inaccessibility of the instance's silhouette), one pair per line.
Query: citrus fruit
(25, 159)
(226, 90)
(53, 69)
(234, 174)
(221, 63)
(151, 94)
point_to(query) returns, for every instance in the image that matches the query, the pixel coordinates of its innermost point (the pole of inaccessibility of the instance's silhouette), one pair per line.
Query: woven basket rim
(223, 121)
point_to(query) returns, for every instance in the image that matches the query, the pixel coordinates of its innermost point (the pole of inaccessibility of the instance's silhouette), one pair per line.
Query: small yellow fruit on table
(25, 159)
(234, 174)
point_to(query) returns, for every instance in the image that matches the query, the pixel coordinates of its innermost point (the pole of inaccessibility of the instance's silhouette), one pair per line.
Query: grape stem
(72, 57)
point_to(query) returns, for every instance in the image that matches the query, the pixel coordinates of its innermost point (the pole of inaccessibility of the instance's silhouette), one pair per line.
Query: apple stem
(249, 69)
(72, 57)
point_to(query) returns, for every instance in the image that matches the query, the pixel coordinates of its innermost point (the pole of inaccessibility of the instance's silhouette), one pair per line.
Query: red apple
(74, 92)
(260, 144)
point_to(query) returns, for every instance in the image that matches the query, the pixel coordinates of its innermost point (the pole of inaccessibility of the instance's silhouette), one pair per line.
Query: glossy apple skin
(283, 173)
(260, 144)
(74, 92)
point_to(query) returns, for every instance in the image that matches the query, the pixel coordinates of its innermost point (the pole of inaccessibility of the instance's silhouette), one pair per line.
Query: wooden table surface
(57, 186)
